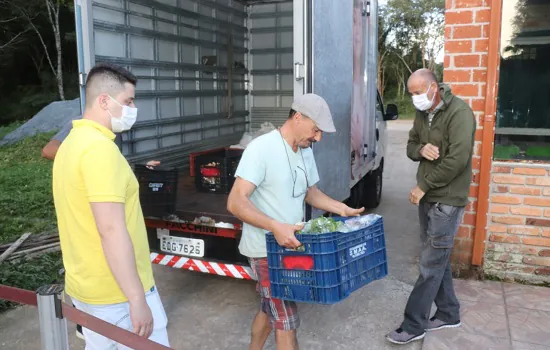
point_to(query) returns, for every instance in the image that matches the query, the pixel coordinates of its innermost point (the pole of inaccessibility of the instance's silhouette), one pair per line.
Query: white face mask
(421, 102)
(126, 120)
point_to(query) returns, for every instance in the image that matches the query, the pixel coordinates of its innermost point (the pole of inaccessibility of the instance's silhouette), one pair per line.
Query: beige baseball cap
(316, 108)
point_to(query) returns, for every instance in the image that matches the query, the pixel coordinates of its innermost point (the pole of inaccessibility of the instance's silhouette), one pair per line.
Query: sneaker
(79, 333)
(399, 336)
(435, 324)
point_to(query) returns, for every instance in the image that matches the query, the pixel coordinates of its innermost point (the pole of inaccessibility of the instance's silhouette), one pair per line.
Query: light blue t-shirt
(282, 177)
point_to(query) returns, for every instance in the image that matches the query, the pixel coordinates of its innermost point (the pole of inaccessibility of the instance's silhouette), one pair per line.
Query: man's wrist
(419, 150)
(422, 187)
(341, 209)
(136, 299)
(271, 225)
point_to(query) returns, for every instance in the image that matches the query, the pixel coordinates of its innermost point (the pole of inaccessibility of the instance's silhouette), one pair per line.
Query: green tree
(410, 36)
(31, 16)
(418, 25)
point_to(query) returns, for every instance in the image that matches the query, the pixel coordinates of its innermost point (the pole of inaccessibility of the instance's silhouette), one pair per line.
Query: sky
(508, 13)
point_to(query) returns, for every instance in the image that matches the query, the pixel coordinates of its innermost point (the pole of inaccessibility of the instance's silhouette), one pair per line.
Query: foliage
(25, 101)
(26, 201)
(538, 151)
(405, 107)
(32, 82)
(514, 152)
(30, 274)
(39, 18)
(418, 25)
(4, 130)
(410, 37)
(506, 152)
(26, 204)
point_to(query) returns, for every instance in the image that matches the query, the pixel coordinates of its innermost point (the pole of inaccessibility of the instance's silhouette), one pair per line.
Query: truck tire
(372, 191)
(357, 195)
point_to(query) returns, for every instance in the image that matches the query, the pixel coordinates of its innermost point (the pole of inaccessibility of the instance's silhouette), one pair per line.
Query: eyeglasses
(294, 195)
(295, 177)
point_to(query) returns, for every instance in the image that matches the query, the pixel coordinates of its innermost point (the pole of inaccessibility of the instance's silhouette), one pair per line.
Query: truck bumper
(213, 268)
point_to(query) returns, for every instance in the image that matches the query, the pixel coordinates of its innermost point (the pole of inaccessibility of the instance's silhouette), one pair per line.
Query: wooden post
(14, 246)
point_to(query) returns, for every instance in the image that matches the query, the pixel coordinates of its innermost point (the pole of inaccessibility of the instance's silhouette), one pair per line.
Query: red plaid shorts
(283, 314)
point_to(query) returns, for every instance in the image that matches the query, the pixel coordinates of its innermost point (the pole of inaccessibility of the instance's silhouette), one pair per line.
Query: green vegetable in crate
(322, 225)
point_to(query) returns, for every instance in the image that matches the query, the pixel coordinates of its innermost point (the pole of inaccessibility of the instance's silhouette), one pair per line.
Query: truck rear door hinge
(366, 8)
(81, 79)
(299, 71)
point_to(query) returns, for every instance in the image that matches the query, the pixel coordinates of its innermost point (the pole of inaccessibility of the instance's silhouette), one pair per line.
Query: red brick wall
(517, 241)
(518, 244)
(466, 49)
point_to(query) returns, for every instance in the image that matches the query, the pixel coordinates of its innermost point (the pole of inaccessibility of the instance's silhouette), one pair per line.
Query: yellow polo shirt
(90, 168)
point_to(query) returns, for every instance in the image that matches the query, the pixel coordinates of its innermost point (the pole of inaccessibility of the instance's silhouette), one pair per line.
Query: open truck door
(330, 65)
(300, 46)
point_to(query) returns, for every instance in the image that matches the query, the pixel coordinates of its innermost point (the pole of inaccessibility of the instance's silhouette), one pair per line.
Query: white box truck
(211, 70)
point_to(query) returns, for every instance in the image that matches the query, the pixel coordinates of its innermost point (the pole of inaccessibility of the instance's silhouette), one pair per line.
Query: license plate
(182, 246)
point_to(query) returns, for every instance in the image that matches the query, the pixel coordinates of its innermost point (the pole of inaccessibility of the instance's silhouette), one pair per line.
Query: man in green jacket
(441, 140)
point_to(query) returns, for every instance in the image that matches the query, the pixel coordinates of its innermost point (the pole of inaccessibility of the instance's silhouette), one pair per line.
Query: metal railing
(53, 314)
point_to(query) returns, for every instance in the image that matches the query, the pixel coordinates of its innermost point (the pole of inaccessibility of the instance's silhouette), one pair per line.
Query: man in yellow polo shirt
(101, 226)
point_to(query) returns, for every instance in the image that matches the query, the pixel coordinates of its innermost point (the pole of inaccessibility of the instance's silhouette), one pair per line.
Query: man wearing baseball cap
(276, 174)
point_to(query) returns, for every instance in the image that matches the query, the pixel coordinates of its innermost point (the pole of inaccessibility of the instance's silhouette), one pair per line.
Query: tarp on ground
(50, 118)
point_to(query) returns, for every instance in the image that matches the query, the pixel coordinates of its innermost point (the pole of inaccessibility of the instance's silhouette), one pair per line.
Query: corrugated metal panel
(271, 63)
(183, 104)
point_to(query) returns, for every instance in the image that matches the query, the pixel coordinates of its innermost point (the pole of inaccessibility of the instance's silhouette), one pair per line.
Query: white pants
(119, 315)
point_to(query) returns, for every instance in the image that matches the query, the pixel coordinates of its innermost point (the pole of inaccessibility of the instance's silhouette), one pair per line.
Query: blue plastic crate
(332, 266)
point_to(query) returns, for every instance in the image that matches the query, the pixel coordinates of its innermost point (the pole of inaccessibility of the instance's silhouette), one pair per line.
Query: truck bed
(220, 240)
(191, 203)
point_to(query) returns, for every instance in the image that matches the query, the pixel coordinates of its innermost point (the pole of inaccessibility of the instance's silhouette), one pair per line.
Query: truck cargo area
(199, 216)
(190, 200)
(208, 70)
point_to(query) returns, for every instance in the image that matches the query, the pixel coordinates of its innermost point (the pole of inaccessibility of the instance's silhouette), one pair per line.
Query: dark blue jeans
(439, 224)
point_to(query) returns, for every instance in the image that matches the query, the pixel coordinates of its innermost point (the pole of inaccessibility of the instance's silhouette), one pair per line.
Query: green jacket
(447, 179)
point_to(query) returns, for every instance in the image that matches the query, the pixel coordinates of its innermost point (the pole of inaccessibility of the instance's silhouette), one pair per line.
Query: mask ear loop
(115, 101)
(118, 103)
(433, 96)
